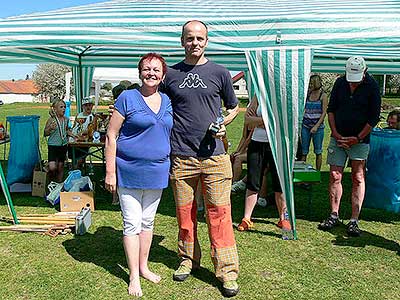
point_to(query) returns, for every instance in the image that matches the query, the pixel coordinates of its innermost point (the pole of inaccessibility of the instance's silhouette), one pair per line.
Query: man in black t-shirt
(197, 88)
(353, 111)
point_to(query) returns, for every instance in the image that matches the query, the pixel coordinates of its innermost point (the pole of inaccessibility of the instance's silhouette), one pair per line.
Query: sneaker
(238, 186)
(284, 224)
(352, 229)
(329, 223)
(182, 273)
(245, 225)
(230, 288)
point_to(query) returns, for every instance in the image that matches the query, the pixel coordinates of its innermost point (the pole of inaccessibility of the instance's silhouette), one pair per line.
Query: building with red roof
(239, 85)
(18, 91)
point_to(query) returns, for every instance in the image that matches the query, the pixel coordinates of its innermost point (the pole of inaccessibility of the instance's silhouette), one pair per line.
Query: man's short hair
(117, 90)
(134, 86)
(184, 25)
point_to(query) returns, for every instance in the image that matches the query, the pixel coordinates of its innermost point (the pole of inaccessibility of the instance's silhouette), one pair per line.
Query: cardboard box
(75, 201)
(39, 184)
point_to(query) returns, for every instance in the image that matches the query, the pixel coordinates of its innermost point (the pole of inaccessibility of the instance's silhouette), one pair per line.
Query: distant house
(239, 85)
(18, 91)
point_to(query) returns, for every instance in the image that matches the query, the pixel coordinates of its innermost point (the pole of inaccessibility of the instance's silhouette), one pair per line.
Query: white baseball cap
(87, 100)
(355, 68)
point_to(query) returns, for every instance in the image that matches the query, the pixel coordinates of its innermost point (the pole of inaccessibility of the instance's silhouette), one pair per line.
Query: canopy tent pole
(7, 196)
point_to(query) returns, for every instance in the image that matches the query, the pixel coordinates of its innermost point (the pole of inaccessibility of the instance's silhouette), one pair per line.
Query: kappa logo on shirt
(192, 81)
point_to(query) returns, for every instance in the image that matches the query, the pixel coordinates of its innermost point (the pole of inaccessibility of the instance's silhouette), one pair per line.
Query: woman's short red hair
(151, 56)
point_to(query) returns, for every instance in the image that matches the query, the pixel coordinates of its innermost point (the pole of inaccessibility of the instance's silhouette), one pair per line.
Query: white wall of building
(11, 98)
(240, 88)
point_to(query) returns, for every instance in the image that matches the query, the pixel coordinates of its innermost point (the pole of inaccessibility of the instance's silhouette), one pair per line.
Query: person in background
(117, 90)
(259, 157)
(238, 158)
(353, 111)
(313, 120)
(137, 163)
(197, 88)
(133, 86)
(393, 120)
(57, 130)
(80, 131)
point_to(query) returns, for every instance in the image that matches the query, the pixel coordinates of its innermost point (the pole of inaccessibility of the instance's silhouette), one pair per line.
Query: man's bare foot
(134, 288)
(147, 274)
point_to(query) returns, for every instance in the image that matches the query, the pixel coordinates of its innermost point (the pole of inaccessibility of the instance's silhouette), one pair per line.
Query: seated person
(80, 130)
(117, 90)
(238, 158)
(393, 120)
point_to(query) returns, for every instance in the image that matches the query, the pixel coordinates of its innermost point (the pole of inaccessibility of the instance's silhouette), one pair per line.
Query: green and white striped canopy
(278, 41)
(115, 32)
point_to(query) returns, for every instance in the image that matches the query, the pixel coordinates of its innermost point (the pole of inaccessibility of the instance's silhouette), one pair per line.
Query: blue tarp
(383, 171)
(24, 148)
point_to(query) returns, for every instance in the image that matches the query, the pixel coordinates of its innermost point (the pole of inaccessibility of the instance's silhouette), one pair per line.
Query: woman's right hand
(111, 183)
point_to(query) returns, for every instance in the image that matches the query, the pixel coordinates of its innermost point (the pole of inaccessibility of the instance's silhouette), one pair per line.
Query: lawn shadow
(319, 208)
(365, 239)
(104, 248)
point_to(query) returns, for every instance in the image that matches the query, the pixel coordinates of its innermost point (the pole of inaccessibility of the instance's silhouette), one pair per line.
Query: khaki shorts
(337, 156)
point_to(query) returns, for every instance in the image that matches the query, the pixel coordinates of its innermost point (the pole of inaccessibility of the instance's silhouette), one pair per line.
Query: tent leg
(8, 196)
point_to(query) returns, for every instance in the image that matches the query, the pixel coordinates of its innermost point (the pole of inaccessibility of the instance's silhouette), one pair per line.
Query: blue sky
(19, 7)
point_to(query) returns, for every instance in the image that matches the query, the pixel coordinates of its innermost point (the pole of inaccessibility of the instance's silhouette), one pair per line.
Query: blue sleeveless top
(312, 112)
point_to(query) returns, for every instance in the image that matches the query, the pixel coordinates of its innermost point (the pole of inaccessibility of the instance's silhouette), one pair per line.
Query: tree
(107, 86)
(50, 79)
(328, 80)
(393, 83)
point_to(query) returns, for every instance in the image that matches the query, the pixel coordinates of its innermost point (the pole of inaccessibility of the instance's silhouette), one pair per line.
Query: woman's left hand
(314, 129)
(111, 183)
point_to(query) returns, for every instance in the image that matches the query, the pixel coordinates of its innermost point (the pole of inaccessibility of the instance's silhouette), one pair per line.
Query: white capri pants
(138, 209)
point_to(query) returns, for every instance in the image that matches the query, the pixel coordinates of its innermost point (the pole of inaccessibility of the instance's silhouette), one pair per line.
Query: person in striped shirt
(313, 120)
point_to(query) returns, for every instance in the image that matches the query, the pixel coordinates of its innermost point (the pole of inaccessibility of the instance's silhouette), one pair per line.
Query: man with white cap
(353, 111)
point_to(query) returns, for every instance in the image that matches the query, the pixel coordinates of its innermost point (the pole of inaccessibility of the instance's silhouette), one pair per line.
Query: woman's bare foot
(134, 288)
(147, 274)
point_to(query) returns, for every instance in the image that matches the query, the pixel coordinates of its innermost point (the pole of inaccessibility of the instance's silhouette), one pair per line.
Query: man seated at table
(393, 120)
(80, 131)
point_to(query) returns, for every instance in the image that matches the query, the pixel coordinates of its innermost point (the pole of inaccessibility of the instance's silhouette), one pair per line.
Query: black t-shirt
(196, 94)
(353, 111)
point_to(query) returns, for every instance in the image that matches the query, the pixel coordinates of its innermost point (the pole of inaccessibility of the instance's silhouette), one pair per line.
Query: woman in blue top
(313, 120)
(137, 163)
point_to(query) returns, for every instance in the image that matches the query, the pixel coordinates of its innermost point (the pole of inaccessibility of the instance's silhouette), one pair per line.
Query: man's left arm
(232, 113)
(374, 111)
(230, 102)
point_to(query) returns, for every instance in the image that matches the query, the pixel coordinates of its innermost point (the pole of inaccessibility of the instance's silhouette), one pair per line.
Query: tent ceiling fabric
(117, 32)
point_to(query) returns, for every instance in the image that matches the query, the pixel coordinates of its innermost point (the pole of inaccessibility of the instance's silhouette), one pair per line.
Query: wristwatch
(360, 140)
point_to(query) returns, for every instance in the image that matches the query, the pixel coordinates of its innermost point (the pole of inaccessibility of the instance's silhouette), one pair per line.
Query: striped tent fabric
(116, 31)
(280, 80)
(83, 78)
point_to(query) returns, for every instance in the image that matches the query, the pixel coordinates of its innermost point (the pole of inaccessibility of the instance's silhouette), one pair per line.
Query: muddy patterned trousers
(215, 175)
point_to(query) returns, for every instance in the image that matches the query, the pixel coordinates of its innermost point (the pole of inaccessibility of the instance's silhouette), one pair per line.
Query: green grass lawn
(320, 265)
